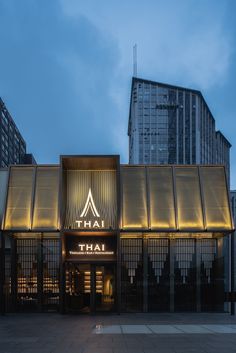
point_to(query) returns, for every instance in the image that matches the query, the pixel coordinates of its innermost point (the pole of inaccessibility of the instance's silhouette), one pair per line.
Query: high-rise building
(173, 125)
(12, 144)
(233, 203)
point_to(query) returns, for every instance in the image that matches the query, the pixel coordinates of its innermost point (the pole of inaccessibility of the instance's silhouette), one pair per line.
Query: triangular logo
(90, 205)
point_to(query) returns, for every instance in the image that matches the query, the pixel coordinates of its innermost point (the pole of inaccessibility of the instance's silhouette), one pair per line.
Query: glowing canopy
(158, 198)
(32, 198)
(172, 198)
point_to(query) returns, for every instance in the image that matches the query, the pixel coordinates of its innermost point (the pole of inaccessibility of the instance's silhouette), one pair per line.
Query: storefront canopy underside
(158, 198)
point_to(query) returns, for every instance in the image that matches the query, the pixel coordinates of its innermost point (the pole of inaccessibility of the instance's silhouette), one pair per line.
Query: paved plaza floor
(125, 333)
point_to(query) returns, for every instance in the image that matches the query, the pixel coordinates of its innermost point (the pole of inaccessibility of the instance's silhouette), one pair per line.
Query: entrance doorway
(90, 287)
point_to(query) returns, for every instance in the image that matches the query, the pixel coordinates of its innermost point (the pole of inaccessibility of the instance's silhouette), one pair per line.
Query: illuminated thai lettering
(90, 205)
(90, 224)
(87, 224)
(81, 247)
(79, 223)
(90, 247)
(96, 224)
(97, 247)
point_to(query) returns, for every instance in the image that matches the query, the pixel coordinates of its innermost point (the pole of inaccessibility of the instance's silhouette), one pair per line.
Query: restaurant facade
(92, 235)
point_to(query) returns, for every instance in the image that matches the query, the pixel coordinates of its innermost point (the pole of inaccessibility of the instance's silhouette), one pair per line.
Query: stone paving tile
(220, 328)
(135, 329)
(161, 350)
(164, 329)
(193, 328)
(37, 350)
(161, 329)
(112, 329)
(49, 333)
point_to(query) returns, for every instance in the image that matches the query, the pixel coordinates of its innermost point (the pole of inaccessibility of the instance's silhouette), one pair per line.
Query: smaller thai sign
(90, 248)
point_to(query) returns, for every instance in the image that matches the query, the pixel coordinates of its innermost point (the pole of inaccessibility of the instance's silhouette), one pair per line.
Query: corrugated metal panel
(134, 197)
(46, 198)
(19, 200)
(162, 209)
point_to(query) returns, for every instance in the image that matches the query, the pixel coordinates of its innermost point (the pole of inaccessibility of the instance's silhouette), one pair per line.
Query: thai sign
(85, 222)
(91, 199)
(90, 247)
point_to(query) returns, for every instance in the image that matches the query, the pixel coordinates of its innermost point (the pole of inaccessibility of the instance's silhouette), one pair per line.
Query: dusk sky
(66, 67)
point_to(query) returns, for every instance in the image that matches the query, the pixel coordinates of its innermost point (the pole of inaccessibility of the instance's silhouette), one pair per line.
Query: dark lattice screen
(27, 273)
(212, 278)
(185, 274)
(51, 258)
(131, 274)
(7, 290)
(158, 275)
(208, 254)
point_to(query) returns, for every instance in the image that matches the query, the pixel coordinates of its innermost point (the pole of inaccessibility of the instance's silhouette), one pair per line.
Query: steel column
(40, 272)
(145, 275)
(198, 273)
(118, 275)
(14, 281)
(93, 288)
(2, 274)
(62, 274)
(172, 274)
(232, 305)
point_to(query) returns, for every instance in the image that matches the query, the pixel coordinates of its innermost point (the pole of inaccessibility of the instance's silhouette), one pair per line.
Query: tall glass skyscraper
(173, 125)
(12, 144)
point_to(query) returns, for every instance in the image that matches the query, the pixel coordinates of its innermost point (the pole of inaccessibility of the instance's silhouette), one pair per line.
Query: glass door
(104, 289)
(78, 287)
(90, 287)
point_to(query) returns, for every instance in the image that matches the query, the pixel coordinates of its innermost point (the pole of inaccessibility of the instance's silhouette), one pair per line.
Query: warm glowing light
(90, 205)
(130, 226)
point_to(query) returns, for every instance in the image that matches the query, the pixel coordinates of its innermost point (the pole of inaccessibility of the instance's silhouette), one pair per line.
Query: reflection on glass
(90, 287)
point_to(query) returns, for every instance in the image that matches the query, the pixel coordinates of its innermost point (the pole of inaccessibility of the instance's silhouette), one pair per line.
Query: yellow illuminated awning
(175, 198)
(32, 198)
(154, 198)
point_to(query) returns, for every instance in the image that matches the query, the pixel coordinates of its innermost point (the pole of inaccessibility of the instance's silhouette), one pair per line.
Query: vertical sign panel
(91, 200)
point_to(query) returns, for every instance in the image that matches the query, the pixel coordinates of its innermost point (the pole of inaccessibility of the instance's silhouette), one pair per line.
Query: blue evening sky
(66, 67)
